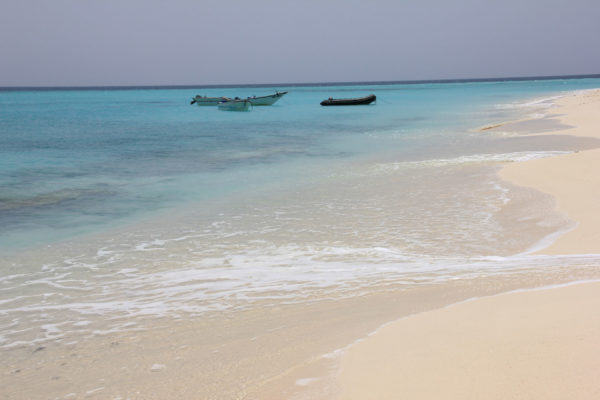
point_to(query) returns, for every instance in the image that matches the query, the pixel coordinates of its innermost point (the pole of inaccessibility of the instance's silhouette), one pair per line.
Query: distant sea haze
(122, 205)
(297, 84)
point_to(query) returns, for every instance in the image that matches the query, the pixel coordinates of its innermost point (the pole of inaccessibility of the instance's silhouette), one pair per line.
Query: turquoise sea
(125, 204)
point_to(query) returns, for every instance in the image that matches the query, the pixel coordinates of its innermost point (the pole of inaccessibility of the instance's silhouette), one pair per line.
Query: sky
(204, 42)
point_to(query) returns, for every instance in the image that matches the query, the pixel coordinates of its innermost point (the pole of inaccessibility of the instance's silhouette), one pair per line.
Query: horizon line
(299, 84)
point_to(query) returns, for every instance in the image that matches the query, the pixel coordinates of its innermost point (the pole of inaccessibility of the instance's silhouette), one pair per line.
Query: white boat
(208, 101)
(266, 100)
(234, 105)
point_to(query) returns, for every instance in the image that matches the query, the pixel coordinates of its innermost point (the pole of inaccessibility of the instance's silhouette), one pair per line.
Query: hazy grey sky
(148, 42)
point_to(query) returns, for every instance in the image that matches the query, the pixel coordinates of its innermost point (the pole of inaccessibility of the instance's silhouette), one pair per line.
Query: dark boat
(349, 102)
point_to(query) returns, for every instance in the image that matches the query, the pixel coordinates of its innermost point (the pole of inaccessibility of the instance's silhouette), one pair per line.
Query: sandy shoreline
(275, 351)
(525, 345)
(572, 179)
(262, 353)
(542, 344)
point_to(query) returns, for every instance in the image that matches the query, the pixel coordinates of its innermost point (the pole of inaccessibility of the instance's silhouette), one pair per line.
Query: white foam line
(6, 278)
(472, 159)
(545, 102)
(92, 391)
(12, 299)
(306, 381)
(547, 241)
(288, 274)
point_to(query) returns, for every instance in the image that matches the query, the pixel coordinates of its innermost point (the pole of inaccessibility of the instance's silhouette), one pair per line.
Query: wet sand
(573, 179)
(267, 352)
(276, 350)
(542, 344)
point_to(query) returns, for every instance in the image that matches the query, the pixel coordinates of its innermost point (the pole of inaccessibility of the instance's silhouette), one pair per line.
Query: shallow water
(119, 206)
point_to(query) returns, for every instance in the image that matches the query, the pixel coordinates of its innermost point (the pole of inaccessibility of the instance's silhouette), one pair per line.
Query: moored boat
(349, 102)
(266, 100)
(208, 101)
(235, 105)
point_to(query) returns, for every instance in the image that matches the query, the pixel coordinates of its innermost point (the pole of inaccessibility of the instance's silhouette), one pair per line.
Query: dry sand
(542, 344)
(573, 179)
(527, 345)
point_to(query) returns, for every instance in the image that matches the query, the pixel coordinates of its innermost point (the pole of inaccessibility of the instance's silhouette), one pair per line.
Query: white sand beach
(573, 179)
(539, 344)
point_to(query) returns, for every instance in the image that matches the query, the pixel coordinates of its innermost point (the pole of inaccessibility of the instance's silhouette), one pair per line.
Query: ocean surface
(119, 206)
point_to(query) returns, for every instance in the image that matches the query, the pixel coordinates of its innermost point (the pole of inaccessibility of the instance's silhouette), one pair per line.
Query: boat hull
(349, 102)
(208, 101)
(234, 105)
(266, 100)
